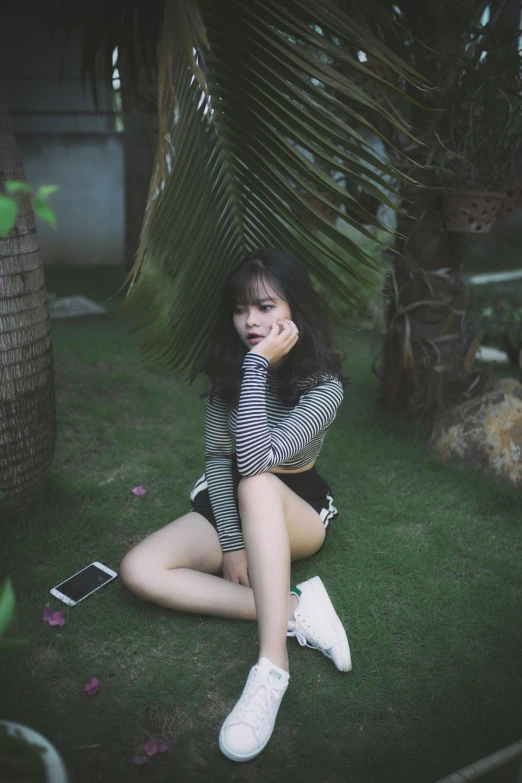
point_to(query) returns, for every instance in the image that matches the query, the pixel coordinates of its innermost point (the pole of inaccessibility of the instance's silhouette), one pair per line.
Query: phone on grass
(83, 583)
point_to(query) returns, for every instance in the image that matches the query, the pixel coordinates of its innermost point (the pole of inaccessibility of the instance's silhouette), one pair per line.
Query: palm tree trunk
(428, 351)
(27, 399)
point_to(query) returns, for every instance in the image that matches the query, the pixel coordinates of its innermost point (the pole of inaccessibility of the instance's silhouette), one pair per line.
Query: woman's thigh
(188, 542)
(306, 530)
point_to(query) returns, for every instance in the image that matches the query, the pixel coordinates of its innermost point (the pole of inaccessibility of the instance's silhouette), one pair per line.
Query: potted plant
(476, 153)
(25, 755)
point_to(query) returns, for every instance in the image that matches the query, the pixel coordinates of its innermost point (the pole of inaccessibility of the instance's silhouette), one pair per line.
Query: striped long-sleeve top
(265, 433)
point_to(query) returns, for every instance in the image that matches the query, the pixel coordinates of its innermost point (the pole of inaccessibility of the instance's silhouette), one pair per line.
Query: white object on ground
(54, 767)
(74, 307)
(487, 354)
(495, 277)
(485, 765)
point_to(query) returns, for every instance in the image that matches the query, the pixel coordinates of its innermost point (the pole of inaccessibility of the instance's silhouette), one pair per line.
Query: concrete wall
(89, 205)
(64, 140)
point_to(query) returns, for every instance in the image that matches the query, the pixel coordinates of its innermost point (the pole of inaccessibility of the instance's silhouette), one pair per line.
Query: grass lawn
(422, 564)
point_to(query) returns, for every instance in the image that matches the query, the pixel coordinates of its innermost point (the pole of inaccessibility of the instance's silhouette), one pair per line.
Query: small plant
(9, 206)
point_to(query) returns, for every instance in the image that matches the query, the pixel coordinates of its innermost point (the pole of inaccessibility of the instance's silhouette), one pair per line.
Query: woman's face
(259, 317)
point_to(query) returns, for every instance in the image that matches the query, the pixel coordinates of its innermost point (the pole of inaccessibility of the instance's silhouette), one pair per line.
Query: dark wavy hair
(310, 358)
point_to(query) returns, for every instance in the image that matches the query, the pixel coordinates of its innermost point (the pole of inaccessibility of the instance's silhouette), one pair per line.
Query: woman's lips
(254, 340)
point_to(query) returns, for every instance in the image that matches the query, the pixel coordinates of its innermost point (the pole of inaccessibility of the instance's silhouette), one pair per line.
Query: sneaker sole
(327, 607)
(234, 756)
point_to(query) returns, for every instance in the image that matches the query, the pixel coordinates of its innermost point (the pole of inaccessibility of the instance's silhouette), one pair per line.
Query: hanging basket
(472, 212)
(513, 200)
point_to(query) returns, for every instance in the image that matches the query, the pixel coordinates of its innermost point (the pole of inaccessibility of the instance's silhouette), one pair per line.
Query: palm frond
(130, 26)
(235, 156)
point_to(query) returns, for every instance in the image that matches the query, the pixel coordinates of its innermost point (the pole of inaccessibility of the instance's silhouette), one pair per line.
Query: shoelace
(301, 633)
(258, 700)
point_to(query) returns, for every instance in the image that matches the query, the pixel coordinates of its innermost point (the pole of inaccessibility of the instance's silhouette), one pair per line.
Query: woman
(274, 386)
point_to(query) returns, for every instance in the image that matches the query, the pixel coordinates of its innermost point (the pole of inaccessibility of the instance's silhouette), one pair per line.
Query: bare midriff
(297, 470)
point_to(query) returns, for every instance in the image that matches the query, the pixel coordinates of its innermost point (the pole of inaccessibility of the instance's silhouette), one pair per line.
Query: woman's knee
(188, 542)
(261, 480)
(133, 570)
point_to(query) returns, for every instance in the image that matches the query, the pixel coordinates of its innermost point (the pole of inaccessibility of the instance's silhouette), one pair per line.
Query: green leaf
(231, 168)
(8, 212)
(44, 211)
(7, 604)
(2, 494)
(13, 185)
(44, 191)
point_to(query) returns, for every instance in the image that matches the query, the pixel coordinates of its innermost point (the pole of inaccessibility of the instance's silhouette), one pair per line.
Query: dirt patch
(60, 687)
(178, 724)
(166, 722)
(45, 655)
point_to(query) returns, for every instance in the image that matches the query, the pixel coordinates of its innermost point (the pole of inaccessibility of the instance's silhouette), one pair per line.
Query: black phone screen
(83, 583)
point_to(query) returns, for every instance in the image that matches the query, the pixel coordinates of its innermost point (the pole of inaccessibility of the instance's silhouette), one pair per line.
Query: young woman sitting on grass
(274, 386)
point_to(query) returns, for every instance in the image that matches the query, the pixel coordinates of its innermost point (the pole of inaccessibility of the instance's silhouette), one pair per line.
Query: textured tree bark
(140, 141)
(27, 398)
(428, 351)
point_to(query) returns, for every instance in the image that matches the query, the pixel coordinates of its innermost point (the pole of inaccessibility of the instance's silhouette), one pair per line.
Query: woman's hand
(277, 343)
(235, 567)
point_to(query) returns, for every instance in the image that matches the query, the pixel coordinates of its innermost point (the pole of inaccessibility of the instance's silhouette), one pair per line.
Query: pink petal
(154, 746)
(142, 760)
(139, 491)
(53, 616)
(93, 686)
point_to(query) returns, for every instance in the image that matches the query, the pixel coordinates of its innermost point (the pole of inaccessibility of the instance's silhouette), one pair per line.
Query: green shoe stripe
(296, 591)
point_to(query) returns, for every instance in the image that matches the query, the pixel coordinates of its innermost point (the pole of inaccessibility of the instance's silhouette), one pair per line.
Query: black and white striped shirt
(264, 433)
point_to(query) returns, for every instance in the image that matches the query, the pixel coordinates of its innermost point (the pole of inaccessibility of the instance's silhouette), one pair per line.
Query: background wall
(63, 140)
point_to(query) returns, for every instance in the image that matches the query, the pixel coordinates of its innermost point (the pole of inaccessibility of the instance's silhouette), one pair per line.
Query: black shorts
(309, 485)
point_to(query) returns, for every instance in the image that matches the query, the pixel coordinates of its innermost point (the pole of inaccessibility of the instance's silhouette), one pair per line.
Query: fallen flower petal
(154, 746)
(139, 491)
(53, 616)
(93, 686)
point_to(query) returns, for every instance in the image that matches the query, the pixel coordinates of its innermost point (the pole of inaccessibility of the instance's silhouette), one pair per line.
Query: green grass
(423, 567)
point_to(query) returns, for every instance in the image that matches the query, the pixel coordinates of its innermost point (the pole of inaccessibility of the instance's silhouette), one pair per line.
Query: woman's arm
(260, 448)
(219, 453)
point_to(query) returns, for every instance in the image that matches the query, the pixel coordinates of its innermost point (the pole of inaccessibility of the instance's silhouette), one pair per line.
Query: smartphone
(83, 583)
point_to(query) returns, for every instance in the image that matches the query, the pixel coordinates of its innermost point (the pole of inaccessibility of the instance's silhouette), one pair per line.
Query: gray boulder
(484, 434)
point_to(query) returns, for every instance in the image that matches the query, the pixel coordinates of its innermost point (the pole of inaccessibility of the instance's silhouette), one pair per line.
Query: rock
(75, 307)
(483, 435)
(507, 386)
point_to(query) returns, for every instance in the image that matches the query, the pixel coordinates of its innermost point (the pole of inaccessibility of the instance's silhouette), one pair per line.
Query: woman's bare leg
(178, 565)
(268, 552)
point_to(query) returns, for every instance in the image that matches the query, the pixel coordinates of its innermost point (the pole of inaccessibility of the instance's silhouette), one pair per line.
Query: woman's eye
(239, 310)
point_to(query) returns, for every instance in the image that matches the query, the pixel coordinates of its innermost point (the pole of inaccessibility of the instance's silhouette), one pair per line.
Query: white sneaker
(249, 726)
(317, 625)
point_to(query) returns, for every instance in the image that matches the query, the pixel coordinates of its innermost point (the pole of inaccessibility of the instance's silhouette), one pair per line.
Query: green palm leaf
(235, 125)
